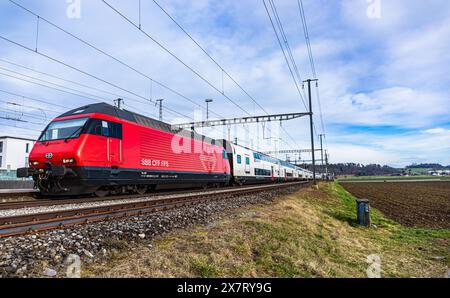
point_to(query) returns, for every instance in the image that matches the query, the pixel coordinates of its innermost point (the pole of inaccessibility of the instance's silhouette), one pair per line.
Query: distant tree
(357, 169)
(434, 166)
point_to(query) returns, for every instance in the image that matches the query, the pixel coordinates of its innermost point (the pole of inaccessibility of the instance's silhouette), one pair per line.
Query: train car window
(97, 127)
(239, 159)
(224, 154)
(63, 129)
(115, 130)
(105, 129)
(247, 161)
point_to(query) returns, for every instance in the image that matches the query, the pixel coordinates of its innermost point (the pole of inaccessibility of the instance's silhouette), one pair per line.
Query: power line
(110, 56)
(34, 99)
(17, 119)
(62, 79)
(311, 57)
(175, 56)
(217, 63)
(284, 54)
(305, 31)
(82, 71)
(103, 52)
(24, 128)
(286, 42)
(210, 57)
(23, 113)
(89, 95)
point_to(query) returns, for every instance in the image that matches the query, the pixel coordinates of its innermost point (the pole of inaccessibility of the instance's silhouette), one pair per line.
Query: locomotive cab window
(104, 128)
(239, 159)
(63, 129)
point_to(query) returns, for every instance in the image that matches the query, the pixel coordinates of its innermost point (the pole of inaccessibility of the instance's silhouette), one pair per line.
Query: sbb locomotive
(100, 149)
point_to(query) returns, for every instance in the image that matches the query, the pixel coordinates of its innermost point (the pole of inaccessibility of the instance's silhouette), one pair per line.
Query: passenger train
(100, 149)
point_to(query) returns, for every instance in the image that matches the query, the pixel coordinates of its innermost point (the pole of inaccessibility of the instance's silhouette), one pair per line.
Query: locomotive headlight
(34, 163)
(68, 160)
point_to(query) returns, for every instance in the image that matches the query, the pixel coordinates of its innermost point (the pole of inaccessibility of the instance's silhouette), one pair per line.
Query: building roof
(17, 138)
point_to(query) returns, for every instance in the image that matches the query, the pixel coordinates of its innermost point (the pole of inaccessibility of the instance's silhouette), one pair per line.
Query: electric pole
(118, 102)
(312, 129)
(321, 152)
(207, 107)
(160, 108)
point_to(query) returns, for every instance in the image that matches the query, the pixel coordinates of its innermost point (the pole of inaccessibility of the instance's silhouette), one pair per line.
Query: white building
(14, 152)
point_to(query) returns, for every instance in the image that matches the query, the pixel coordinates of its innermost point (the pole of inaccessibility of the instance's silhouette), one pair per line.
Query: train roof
(107, 109)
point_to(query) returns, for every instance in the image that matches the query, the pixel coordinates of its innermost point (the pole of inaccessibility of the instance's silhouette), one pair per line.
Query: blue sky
(383, 81)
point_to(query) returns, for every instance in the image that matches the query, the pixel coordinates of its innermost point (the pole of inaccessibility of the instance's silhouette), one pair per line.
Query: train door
(96, 150)
(114, 143)
(247, 164)
(272, 173)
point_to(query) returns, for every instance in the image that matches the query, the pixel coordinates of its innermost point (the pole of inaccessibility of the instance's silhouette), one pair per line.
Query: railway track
(32, 223)
(13, 204)
(18, 204)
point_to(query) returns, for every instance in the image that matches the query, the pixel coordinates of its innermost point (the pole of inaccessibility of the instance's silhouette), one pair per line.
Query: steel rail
(18, 204)
(33, 223)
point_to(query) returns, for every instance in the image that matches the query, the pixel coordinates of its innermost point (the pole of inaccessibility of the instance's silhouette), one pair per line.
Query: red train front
(101, 149)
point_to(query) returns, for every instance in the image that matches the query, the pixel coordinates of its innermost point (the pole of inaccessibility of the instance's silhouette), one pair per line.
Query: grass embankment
(311, 233)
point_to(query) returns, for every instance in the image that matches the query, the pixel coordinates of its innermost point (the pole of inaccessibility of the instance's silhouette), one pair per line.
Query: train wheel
(141, 189)
(101, 193)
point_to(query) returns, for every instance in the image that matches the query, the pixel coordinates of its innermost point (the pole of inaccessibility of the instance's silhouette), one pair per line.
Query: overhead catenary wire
(103, 52)
(223, 71)
(34, 99)
(72, 90)
(306, 33)
(22, 112)
(284, 54)
(311, 61)
(63, 79)
(115, 59)
(84, 72)
(211, 58)
(24, 128)
(174, 56)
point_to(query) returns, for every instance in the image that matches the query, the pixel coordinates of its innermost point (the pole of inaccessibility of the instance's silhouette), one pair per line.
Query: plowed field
(416, 204)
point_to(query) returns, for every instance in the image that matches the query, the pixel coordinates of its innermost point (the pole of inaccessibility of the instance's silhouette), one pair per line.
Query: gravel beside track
(31, 254)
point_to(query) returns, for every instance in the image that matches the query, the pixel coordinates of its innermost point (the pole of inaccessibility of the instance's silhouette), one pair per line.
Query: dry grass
(308, 234)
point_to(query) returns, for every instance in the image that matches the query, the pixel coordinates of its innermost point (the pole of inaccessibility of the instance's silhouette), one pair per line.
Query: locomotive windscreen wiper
(74, 133)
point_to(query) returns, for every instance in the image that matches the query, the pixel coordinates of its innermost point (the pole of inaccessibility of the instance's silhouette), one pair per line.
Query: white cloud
(392, 71)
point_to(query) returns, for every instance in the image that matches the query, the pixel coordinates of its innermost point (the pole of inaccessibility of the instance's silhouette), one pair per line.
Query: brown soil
(417, 204)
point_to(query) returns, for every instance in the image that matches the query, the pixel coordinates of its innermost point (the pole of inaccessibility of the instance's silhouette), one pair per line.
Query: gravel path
(46, 254)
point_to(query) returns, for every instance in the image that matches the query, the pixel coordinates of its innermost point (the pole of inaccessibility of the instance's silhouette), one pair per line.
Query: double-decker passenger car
(249, 166)
(101, 149)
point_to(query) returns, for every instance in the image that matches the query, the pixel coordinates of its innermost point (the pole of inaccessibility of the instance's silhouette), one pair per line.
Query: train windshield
(64, 129)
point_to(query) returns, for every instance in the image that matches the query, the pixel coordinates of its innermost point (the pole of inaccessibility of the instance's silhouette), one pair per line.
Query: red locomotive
(101, 149)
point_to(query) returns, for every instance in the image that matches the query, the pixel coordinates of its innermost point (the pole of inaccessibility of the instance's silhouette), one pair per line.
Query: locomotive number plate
(154, 162)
